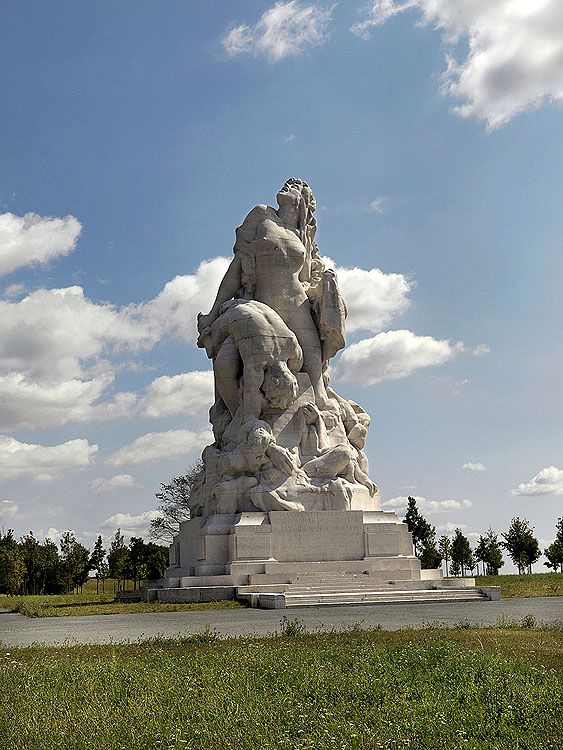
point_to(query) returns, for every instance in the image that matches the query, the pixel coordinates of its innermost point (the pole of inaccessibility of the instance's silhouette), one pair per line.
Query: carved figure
(282, 442)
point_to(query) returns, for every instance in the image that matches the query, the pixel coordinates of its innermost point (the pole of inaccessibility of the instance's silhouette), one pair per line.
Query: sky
(135, 137)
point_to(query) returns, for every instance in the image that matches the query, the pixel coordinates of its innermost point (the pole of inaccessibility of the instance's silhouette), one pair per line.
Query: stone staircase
(345, 588)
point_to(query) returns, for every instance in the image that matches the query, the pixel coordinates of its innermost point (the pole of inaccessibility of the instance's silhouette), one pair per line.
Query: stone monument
(284, 497)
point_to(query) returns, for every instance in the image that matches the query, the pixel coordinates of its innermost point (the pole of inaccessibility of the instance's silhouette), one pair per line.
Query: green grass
(493, 689)
(534, 584)
(64, 605)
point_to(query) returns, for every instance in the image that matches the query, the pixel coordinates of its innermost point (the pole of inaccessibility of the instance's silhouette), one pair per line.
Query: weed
(291, 628)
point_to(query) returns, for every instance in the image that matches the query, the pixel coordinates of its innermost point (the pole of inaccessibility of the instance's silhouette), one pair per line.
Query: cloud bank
(511, 51)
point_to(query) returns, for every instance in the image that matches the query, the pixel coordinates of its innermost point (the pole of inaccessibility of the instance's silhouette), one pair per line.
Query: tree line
(459, 558)
(28, 566)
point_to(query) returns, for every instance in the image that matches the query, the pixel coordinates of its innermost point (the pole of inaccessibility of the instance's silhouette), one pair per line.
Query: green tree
(455, 568)
(175, 503)
(462, 555)
(423, 536)
(32, 558)
(12, 570)
(136, 568)
(97, 559)
(488, 552)
(554, 554)
(521, 545)
(445, 550)
(75, 562)
(51, 569)
(156, 560)
(118, 558)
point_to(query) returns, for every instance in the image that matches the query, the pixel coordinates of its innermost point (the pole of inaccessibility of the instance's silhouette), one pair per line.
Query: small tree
(455, 568)
(97, 561)
(488, 552)
(136, 567)
(175, 504)
(12, 570)
(462, 555)
(31, 555)
(445, 549)
(423, 536)
(51, 569)
(521, 545)
(554, 554)
(156, 560)
(75, 562)
(118, 558)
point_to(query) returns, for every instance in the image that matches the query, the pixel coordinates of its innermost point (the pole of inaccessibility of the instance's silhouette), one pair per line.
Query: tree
(118, 558)
(136, 568)
(521, 545)
(423, 536)
(455, 568)
(32, 558)
(554, 552)
(156, 560)
(12, 569)
(75, 562)
(51, 581)
(445, 550)
(97, 561)
(175, 503)
(488, 552)
(462, 555)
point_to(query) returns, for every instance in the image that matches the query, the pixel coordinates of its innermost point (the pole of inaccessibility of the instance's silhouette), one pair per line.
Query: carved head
(279, 386)
(296, 192)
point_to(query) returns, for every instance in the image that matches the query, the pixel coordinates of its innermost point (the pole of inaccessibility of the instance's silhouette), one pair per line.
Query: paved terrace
(17, 630)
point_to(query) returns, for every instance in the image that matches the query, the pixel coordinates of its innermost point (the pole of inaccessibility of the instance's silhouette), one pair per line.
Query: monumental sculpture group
(284, 494)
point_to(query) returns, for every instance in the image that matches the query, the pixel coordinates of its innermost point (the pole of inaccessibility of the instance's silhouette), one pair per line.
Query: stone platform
(284, 559)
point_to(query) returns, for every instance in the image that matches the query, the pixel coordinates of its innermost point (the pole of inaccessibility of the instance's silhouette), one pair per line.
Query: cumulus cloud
(373, 298)
(399, 505)
(548, 481)
(29, 239)
(131, 525)
(477, 466)
(187, 393)
(26, 459)
(117, 482)
(287, 28)
(161, 446)
(392, 355)
(512, 58)
(8, 509)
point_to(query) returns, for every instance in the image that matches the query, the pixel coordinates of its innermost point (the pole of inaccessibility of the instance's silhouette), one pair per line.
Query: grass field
(90, 603)
(534, 584)
(432, 689)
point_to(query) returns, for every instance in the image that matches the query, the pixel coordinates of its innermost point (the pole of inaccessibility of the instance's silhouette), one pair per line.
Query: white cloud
(373, 298)
(479, 351)
(399, 504)
(27, 459)
(548, 481)
(117, 482)
(161, 446)
(378, 205)
(131, 525)
(187, 393)
(477, 466)
(8, 509)
(449, 528)
(14, 290)
(29, 239)
(290, 138)
(392, 355)
(287, 28)
(513, 56)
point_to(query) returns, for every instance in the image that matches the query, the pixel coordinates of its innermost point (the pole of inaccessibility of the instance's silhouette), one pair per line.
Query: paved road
(17, 630)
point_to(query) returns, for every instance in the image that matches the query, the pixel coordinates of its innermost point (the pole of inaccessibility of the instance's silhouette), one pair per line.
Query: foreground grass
(431, 689)
(534, 584)
(94, 604)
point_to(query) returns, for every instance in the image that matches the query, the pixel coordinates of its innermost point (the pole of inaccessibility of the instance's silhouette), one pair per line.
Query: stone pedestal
(233, 550)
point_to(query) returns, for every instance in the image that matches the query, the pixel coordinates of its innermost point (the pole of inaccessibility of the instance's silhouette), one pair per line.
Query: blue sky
(138, 135)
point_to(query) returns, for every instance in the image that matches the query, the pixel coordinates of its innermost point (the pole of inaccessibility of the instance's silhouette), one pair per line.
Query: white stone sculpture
(284, 439)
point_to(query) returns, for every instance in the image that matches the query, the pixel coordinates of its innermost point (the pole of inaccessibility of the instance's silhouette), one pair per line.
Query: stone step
(288, 599)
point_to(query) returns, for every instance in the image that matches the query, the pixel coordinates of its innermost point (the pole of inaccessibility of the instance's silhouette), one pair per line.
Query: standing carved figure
(277, 320)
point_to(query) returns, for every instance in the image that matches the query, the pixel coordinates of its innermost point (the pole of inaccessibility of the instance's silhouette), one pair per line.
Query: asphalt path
(17, 630)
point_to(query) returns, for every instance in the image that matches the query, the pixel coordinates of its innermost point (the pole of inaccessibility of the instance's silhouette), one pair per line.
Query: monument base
(285, 558)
